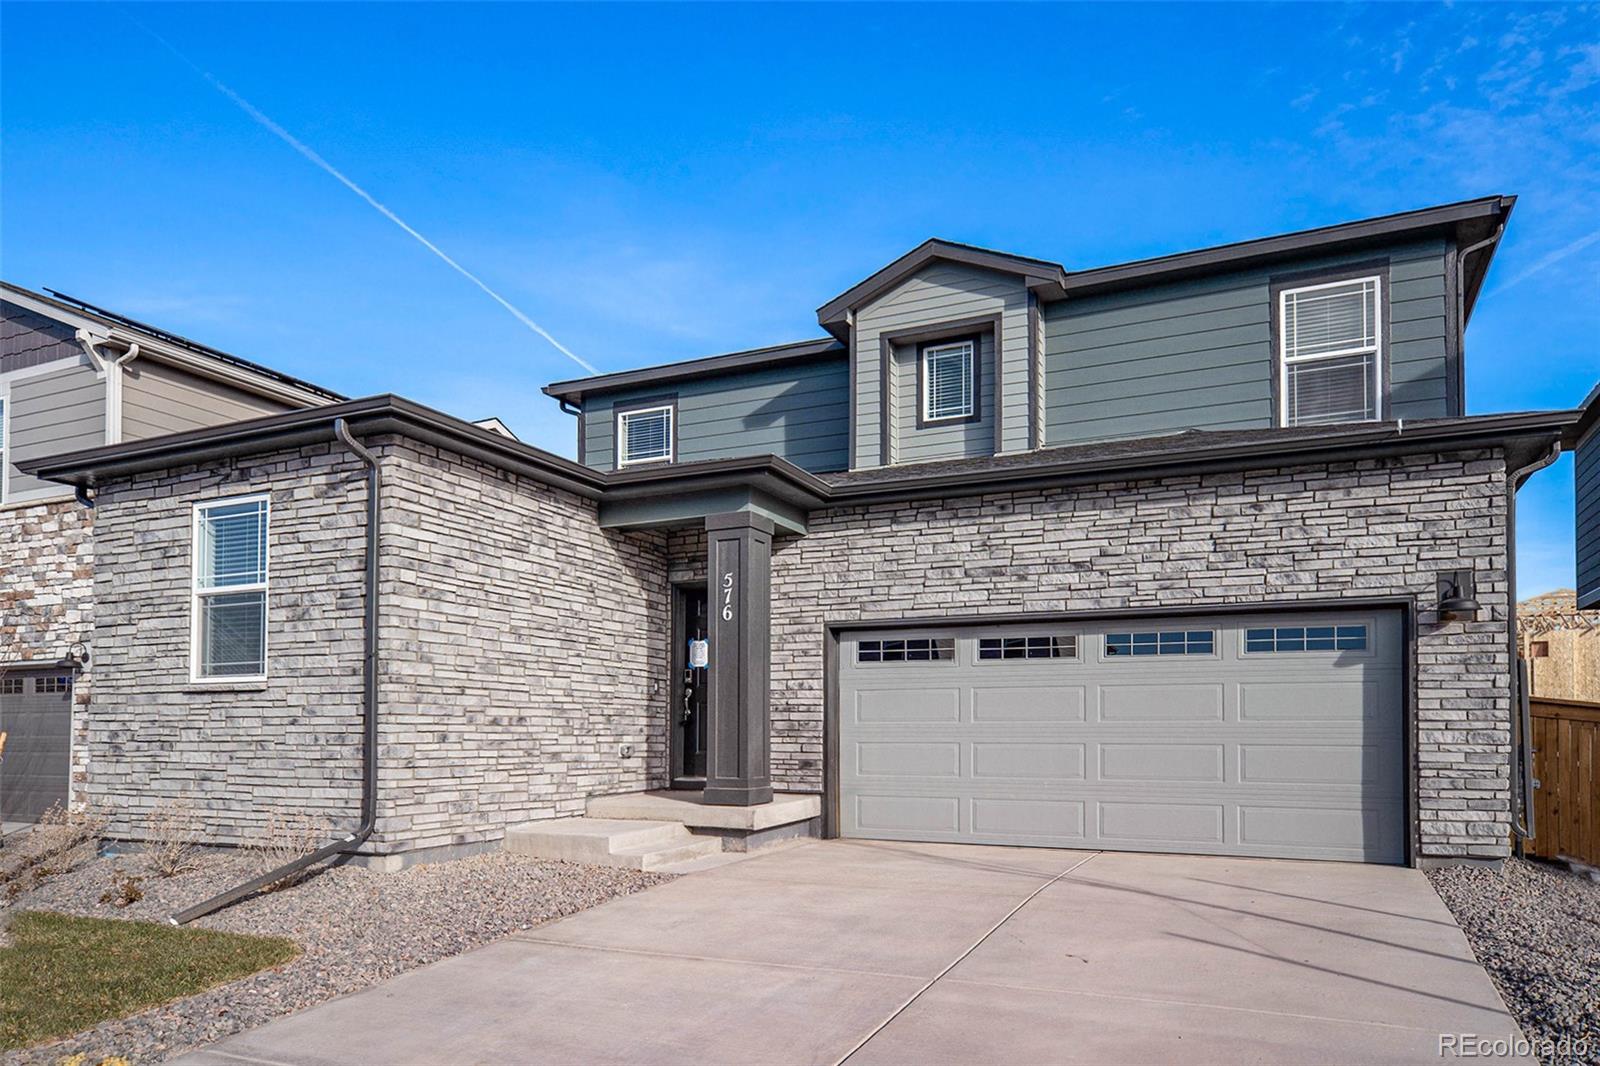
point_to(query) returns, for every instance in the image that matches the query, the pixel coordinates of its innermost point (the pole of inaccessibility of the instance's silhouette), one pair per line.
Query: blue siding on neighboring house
(800, 411)
(1198, 354)
(1586, 472)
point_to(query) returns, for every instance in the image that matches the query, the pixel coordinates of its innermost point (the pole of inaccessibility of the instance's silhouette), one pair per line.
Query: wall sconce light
(77, 656)
(1456, 596)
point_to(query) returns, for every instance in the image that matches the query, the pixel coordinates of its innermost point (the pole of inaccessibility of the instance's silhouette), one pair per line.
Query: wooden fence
(1566, 761)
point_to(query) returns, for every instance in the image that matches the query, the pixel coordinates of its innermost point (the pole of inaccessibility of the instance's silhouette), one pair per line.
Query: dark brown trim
(1279, 283)
(1405, 605)
(645, 403)
(1035, 374)
(853, 354)
(576, 389)
(974, 339)
(583, 435)
(1036, 274)
(1455, 378)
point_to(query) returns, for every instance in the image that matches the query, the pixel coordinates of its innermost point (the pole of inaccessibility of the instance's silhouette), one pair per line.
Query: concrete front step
(633, 845)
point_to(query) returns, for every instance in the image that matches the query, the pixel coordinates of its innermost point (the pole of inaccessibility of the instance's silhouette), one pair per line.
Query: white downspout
(111, 371)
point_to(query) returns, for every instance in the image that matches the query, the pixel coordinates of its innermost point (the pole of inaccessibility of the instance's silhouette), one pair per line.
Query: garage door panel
(1319, 764)
(1175, 823)
(1041, 703)
(876, 813)
(908, 705)
(1171, 702)
(36, 713)
(1161, 762)
(1370, 832)
(1044, 819)
(1310, 701)
(902, 758)
(1224, 750)
(1029, 760)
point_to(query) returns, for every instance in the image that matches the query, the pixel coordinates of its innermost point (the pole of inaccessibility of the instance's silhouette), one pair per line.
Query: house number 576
(727, 596)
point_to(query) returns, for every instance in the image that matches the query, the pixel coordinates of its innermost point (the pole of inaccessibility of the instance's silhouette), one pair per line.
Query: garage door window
(911, 650)
(1161, 642)
(10, 686)
(1306, 638)
(230, 590)
(50, 686)
(992, 648)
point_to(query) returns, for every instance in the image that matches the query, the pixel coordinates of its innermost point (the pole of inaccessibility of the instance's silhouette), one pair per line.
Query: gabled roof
(169, 347)
(573, 391)
(1038, 275)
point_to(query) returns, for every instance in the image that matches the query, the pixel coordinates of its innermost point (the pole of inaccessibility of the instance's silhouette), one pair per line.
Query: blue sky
(655, 183)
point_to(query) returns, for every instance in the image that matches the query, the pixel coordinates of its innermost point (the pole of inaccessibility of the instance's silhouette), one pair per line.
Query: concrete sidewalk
(926, 953)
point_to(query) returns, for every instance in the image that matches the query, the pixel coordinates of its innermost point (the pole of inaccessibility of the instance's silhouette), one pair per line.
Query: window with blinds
(1331, 362)
(230, 589)
(645, 435)
(947, 381)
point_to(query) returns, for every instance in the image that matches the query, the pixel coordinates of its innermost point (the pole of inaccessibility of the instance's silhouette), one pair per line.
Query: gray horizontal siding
(1586, 472)
(48, 415)
(943, 292)
(30, 339)
(158, 399)
(1198, 354)
(799, 411)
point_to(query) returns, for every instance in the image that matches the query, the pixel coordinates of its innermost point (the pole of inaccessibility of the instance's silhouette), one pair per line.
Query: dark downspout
(1523, 727)
(369, 713)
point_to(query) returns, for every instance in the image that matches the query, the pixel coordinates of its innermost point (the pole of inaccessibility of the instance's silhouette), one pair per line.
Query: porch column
(738, 578)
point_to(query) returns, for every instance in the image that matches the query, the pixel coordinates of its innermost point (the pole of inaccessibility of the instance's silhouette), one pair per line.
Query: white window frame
(1375, 348)
(623, 458)
(196, 593)
(969, 350)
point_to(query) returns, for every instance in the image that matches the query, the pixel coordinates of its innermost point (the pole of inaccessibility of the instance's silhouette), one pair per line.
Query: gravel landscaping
(355, 928)
(1536, 929)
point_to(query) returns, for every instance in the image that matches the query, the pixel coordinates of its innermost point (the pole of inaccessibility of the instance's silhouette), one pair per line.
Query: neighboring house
(1195, 554)
(1562, 646)
(72, 377)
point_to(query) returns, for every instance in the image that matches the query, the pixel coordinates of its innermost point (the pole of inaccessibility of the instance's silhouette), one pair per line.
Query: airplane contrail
(305, 150)
(1551, 257)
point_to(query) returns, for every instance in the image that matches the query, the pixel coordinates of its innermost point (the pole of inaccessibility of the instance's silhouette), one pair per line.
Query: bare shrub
(125, 890)
(62, 841)
(173, 846)
(286, 838)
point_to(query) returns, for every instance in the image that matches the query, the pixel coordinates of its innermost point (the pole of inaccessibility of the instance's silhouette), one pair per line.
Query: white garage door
(1275, 735)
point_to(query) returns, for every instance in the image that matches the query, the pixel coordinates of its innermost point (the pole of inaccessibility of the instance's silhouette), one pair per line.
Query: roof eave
(574, 390)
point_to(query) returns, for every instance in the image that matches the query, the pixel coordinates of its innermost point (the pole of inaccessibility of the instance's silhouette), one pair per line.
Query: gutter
(1523, 826)
(1462, 309)
(369, 712)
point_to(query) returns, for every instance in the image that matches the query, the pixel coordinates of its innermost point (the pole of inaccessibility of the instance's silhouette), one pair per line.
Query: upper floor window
(1331, 363)
(949, 381)
(230, 589)
(644, 435)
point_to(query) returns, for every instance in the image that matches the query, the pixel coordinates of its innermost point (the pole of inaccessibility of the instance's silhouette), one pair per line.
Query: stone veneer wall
(523, 646)
(1371, 528)
(47, 599)
(238, 753)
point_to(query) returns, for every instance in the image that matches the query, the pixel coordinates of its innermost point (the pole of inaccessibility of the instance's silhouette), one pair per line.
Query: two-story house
(75, 376)
(1196, 554)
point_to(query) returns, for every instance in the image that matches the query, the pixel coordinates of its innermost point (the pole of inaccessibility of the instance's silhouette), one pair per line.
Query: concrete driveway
(927, 953)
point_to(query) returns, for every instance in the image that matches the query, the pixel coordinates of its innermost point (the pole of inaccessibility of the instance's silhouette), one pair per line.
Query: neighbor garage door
(1275, 735)
(36, 716)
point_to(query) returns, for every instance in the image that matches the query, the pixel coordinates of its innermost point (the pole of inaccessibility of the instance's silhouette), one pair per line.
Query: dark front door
(689, 689)
(36, 716)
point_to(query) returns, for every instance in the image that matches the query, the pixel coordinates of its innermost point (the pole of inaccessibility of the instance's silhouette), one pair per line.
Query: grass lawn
(61, 974)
